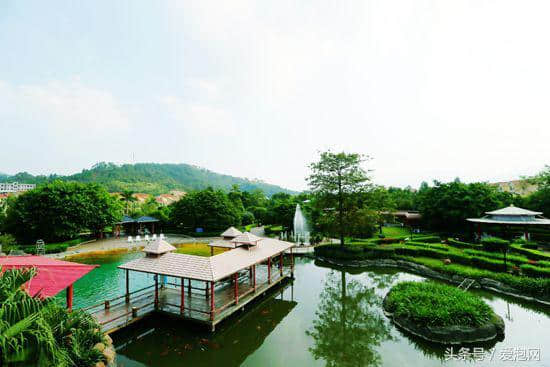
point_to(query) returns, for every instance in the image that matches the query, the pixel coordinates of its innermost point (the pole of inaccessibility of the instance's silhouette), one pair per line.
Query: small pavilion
(52, 276)
(133, 226)
(511, 216)
(198, 288)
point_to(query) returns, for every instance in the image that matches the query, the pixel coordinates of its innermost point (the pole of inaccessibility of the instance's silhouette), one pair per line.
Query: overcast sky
(430, 89)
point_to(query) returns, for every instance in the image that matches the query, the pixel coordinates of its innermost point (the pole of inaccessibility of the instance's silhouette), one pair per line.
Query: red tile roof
(52, 275)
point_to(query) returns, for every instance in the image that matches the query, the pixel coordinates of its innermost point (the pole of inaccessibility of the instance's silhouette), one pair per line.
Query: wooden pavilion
(511, 216)
(197, 288)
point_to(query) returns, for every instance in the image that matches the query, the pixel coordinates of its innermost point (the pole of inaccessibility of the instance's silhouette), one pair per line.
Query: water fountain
(301, 229)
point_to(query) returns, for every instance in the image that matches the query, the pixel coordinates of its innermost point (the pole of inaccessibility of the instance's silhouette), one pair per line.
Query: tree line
(341, 202)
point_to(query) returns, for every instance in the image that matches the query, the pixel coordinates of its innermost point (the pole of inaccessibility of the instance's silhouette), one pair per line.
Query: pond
(326, 317)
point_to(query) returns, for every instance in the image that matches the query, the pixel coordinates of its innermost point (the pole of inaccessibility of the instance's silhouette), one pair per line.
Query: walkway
(117, 313)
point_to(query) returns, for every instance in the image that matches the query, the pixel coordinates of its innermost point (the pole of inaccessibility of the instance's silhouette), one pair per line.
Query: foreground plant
(37, 332)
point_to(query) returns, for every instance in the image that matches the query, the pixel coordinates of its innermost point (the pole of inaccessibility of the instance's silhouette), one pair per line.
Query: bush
(494, 244)
(531, 254)
(515, 259)
(428, 245)
(50, 248)
(535, 271)
(435, 304)
(7, 243)
(428, 239)
(464, 245)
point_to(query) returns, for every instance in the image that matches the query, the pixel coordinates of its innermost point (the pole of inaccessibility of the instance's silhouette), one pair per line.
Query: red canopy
(52, 276)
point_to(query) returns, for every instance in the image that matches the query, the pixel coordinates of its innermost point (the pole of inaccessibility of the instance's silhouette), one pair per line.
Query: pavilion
(52, 275)
(511, 216)
(198, 288)
(135, 226)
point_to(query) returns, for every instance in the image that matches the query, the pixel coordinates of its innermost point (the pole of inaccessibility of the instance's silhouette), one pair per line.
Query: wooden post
(526, 233)
(269, 270)
(69, 295)
(254, 277)
(281, 264)
(127, 286)
(206, 290)
(107, 304)
(236, 276)
(156, 291)
(182, 306)
(212, 309)
(134, 312)
(211, 250)
(189, 287)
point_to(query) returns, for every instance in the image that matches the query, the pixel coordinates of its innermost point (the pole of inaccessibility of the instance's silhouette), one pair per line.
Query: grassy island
(441, 313)
(434, 304)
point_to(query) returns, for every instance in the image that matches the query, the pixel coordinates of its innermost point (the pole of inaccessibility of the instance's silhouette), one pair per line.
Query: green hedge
(463, 245)
(428, 245)
(428, 239)
(50, 248)
(514, 259)
(494, 244)
(535, 271)
(531, 254)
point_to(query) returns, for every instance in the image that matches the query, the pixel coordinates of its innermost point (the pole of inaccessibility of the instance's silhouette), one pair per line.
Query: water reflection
(162, 341)
(348, 326)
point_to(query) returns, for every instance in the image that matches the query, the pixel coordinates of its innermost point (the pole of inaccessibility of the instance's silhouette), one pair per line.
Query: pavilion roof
(513, 210)
(52, 276)
(158, 247)
(511, 221)
(211, 268)
(231, 232)
(222, 243)
(246, 238)
(146, 219)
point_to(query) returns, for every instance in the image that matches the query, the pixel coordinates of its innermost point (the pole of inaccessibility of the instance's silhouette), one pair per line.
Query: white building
(15, 187)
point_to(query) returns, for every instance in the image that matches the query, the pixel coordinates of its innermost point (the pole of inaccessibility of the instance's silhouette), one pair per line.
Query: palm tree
(40, 332)
(128, 197)
(24, 334)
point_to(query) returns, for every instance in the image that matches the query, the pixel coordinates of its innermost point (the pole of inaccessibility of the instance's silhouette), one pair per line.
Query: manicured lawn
(434, 304)
(198, 249)
(395, 231)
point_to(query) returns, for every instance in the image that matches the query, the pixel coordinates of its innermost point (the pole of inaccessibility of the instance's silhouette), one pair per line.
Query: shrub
(50, 248)
(435, 304)
(531, 254)
(464, 245)
(428, 239)
(515, 259)
(428, 245)
(7, 243)
(535, 271)
(494, 244)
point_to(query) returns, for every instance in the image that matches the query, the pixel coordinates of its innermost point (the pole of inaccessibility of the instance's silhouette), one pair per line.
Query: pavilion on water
(511, 216)
(198, 288)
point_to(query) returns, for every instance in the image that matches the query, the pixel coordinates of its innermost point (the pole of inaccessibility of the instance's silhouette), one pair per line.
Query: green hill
(152, 178)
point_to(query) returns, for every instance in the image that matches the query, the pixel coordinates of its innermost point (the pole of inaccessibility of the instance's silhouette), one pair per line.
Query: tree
(208, 209)
(348, 324)
(59, 211)
(445, 206)
(335, 181)
(127, 196)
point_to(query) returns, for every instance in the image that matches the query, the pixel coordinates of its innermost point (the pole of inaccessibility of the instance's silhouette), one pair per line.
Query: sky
(428, 89)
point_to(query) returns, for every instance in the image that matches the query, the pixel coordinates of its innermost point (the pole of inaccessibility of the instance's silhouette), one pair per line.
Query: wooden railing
(109, 302)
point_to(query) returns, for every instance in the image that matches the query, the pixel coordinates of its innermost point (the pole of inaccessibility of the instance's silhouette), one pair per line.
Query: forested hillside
(153, 178)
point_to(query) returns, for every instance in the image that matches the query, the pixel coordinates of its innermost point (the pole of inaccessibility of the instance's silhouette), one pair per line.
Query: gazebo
(52, 275)
(202, 289)
(135, 226)
(511, 216)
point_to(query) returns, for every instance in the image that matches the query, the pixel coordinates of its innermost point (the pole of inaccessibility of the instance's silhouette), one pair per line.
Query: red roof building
(52, 276)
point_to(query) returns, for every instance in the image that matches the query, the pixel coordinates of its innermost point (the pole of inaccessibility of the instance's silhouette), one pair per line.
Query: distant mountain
(152, 178)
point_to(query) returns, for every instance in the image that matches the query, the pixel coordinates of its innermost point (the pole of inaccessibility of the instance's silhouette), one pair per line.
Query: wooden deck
(120, 313)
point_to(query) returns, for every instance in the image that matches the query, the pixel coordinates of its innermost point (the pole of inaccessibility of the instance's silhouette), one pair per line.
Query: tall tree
(60, 211)
(336, 181)
(127, 196)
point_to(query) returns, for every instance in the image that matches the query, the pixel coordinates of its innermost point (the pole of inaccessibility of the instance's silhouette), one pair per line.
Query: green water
(326, 317)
